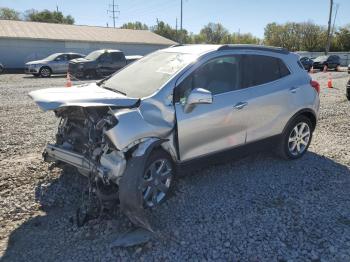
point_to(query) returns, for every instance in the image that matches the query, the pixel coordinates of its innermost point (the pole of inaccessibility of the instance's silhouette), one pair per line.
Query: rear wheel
(157, 178)
(296, 138)
(45, 71)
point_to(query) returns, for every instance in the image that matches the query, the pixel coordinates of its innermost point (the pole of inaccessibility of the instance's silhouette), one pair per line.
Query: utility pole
(329, 27)
(176, 30)
(114, 11)
(335, 17)
(181, 17)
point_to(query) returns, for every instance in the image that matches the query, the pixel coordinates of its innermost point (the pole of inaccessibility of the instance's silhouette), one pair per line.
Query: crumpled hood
(36, 62)
(87, 95)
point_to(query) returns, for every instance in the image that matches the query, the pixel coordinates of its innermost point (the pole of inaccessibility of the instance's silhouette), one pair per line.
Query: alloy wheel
(45, 72)
(299, 139)
(156, 182)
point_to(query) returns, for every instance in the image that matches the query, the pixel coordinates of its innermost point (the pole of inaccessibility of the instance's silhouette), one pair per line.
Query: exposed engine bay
(81, 130)
(82, 143)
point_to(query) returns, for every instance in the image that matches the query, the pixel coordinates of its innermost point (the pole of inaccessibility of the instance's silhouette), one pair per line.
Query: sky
(236, 15)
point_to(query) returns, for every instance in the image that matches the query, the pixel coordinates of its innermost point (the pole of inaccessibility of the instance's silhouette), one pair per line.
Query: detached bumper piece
(54, 153)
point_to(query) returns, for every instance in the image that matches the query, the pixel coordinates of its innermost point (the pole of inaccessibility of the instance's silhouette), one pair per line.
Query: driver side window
(218, 76)
(106, 58)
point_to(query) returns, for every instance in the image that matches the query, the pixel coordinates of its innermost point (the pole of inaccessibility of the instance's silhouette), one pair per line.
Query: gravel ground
(258, 208)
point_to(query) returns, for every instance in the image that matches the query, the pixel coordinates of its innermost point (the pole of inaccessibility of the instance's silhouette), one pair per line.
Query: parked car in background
(331, 61)
(349, 69)
(1, 68)
(100, 63)
(54, 64)
(348, 90)
(306, 62)
(178, 105)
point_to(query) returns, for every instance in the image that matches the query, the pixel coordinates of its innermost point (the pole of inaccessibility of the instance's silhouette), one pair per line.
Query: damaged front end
(109, 145)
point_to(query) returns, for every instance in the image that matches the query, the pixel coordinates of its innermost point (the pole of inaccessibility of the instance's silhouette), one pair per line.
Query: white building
(22, 41)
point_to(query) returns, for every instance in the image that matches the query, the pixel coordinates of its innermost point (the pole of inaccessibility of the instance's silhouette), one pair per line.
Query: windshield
(51, 57)
(321, 58)
(147, 75)
(93, 55)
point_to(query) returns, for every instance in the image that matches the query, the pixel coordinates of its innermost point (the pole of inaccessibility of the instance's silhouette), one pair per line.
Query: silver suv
(129, 132)
(53, 64)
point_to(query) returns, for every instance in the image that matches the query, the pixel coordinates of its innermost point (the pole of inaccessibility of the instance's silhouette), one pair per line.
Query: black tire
(156, 156)
(45, 71)
(284, 147)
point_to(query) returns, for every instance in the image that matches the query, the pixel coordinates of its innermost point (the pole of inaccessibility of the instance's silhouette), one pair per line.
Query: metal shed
(22, 41)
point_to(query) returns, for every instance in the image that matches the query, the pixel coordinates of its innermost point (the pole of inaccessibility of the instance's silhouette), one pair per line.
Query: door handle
(293, 89)
(240, 105)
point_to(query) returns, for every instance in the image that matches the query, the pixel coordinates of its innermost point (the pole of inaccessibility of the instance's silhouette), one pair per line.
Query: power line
(114, 11)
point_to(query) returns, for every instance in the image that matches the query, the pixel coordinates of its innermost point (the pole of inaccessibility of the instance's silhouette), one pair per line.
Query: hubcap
(299, 139)
(156, 182)
(45, 72)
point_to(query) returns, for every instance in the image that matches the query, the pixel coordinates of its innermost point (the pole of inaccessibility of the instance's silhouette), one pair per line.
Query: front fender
(137, 123)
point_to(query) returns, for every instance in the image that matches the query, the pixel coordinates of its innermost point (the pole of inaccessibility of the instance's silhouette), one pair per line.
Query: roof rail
(279, 50)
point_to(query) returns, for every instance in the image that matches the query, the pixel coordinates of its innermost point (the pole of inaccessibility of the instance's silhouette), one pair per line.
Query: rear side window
(260, 69)
(73, 56)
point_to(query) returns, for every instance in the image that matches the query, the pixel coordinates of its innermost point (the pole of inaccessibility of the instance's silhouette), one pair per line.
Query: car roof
(69, 53)
(109, 51)
(204, 48)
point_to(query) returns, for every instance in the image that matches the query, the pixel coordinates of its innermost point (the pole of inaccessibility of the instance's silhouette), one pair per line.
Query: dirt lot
(258, 208)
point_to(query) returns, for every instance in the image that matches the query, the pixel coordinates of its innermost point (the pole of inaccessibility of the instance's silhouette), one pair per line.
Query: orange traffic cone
(69, 82)
(330, 83)
(325, 68)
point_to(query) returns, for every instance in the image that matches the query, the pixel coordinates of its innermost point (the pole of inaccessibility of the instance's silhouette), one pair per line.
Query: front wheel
(45, 71)
(157, 178)
(296, 138)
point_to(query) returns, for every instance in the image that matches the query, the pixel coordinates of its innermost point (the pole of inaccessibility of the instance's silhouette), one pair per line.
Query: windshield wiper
(103, 80)
(113, 90)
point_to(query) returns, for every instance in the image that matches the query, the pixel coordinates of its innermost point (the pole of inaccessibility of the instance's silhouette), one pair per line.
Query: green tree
(135, 25)
(295, 36)
(165, 30)
(246, 38)
(214, 33)
(48, 17)
(9, 14)
(342, 39)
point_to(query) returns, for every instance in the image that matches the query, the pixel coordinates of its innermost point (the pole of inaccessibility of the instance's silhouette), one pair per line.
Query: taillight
(315, 85)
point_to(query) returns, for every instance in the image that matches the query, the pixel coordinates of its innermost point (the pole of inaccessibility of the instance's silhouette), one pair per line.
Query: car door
(268, 94)
(214, 127)
(105, 64)
(118, 61)
(60, 64)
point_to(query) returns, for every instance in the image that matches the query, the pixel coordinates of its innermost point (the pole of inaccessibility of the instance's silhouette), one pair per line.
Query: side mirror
(197, 96)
